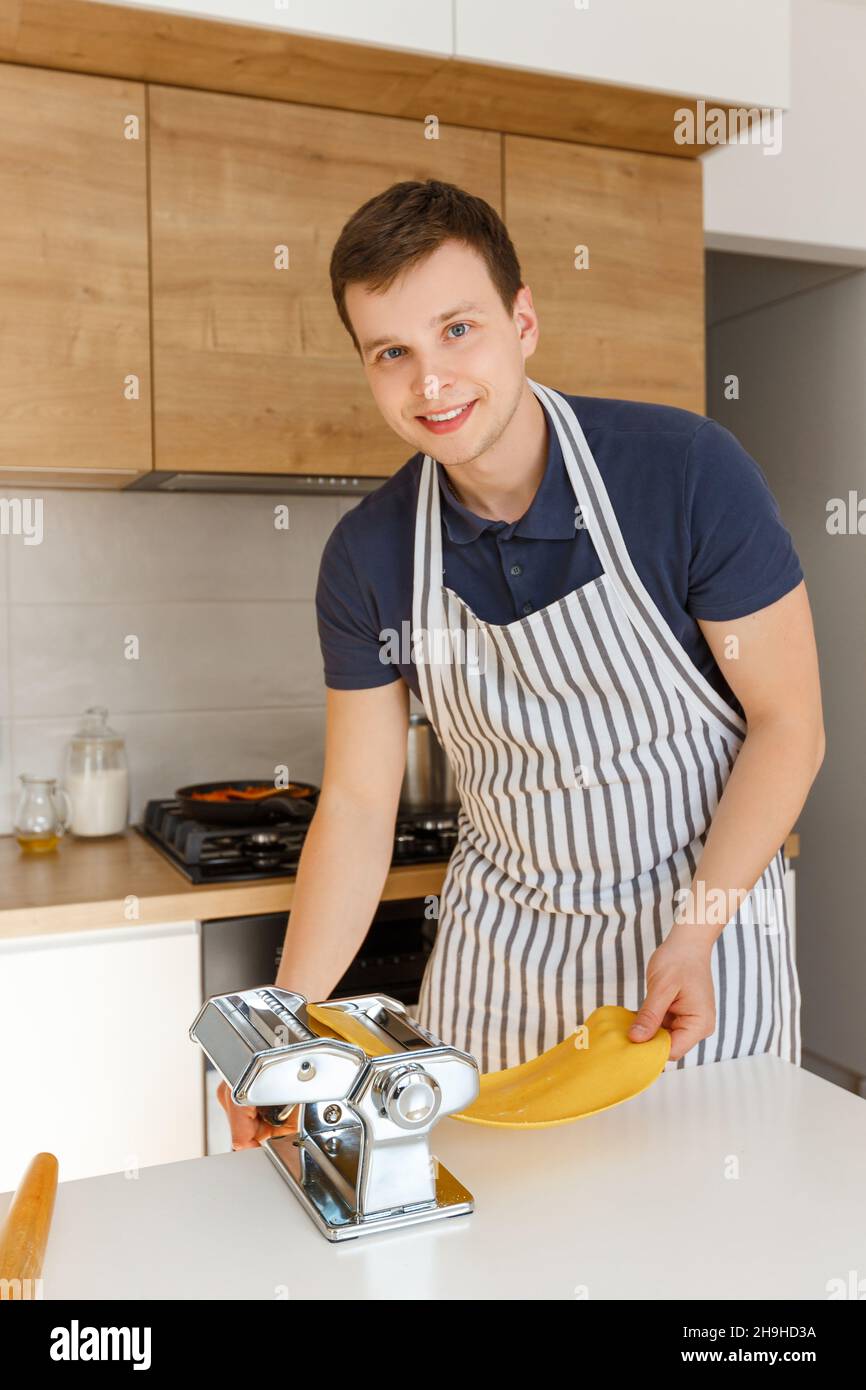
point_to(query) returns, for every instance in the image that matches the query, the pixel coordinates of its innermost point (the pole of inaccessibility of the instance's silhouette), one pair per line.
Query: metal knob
(409, 1096)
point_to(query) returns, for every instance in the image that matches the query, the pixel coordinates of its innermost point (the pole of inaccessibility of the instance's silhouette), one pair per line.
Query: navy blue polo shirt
(700, 523)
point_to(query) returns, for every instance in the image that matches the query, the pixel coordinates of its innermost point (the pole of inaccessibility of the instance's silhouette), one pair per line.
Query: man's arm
(771, 664)
(349, 844)
(770, 661)
(344, 862)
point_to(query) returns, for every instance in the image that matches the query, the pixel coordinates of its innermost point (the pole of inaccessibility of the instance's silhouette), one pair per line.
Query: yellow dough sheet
(565, 1083)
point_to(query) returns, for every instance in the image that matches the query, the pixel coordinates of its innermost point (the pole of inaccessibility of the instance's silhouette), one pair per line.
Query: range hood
(309, 484)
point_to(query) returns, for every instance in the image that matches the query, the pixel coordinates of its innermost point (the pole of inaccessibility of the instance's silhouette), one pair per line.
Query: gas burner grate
(229, 854)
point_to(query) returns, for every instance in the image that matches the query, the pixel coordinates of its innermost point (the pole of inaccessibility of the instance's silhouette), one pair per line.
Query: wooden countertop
(90, 883)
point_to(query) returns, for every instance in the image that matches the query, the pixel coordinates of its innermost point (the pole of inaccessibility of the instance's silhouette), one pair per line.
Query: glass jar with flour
(97, 777)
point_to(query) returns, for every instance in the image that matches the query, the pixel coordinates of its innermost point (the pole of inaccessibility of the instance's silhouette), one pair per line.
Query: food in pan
(249, 793)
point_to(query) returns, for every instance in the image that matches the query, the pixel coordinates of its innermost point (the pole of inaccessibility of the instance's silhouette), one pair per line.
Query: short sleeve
(348, 632)
(742, 557)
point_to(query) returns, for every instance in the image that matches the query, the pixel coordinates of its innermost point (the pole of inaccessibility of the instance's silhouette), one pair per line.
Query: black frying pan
(277, 805)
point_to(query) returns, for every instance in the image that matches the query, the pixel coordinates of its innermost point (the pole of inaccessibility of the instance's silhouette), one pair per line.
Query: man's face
(440, 338)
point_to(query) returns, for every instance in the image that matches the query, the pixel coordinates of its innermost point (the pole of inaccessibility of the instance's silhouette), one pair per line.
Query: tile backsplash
(191, 617)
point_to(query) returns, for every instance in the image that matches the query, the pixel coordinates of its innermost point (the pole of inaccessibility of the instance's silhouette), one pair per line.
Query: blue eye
(383, 356)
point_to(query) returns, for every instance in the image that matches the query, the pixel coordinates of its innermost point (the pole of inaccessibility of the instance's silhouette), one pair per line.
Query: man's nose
(432, 381)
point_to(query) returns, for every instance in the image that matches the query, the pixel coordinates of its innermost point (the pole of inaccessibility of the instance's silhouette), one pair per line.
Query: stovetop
(230, 854)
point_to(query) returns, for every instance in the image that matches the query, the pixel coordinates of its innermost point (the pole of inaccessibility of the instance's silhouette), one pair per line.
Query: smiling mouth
(441, 416)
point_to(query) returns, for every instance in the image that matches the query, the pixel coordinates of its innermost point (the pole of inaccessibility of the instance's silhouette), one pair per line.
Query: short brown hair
(407, 222)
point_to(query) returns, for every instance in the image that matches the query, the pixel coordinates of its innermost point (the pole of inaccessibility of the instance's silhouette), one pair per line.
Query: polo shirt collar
(550, 515)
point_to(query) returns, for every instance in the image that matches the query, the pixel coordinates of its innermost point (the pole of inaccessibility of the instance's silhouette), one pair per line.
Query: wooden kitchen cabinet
(631, 325)
(74, 356)
(254, 371)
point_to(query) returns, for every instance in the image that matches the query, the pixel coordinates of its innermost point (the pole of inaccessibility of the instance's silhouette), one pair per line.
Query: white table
(639, 1202)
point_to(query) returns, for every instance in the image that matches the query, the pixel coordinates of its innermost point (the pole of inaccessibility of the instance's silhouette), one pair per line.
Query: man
(630, 698)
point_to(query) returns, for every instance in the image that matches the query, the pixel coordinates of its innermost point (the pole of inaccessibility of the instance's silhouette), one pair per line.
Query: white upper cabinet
(735, 52)
(423, 25)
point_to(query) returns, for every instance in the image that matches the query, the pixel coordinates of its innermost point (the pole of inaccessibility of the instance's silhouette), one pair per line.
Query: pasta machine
(368, 1092)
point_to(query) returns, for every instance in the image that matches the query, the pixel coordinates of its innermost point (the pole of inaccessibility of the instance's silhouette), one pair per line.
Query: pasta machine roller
(360, 1159)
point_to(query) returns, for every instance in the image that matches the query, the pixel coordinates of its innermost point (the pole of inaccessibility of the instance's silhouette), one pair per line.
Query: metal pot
(428, 782)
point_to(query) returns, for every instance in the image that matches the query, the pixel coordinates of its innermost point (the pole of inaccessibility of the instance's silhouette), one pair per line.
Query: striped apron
(590, 754)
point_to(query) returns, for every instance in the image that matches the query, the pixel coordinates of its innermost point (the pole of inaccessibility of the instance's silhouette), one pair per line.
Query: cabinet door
(74, 357)
(631, 323)
(96, 1062)
(255, 372)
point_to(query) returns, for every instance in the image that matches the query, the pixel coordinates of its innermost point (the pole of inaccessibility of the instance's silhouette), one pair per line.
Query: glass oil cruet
(39, 820)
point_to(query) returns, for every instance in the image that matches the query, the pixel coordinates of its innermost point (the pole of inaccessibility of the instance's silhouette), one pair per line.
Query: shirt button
(527, 607)
(516, 569)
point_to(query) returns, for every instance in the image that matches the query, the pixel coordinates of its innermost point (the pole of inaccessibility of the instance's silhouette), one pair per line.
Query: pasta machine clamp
(360, 1160)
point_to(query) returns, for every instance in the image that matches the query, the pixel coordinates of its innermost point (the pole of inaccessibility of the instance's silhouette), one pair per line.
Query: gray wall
(795, 335)
(229, 679)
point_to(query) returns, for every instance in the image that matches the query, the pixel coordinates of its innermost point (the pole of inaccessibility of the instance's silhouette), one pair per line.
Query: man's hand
(679, 993)
(247, 1126)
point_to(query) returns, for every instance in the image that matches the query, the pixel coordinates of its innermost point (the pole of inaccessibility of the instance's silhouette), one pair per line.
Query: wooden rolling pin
(25, 1231)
